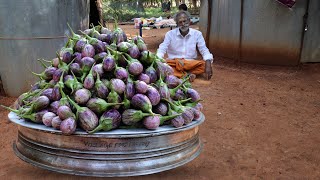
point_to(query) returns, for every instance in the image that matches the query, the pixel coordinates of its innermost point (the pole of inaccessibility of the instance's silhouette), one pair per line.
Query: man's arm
(163, 47)
(206, 55)
(204, 51)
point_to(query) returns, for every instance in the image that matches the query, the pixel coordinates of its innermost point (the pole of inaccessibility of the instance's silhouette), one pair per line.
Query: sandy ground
(262, 122)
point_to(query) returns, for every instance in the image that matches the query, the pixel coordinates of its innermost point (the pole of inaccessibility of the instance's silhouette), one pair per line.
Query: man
(181, 44)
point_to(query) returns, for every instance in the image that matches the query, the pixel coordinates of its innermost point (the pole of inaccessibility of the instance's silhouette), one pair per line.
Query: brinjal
(153, 95)
(48, 93)
(134, 66)
(174, 90)
(193, 94)
(108, 62)
(161, 109)
(79, 46)
(177, 121)
(76, 84)
(142, 102)
(47, 118)
(88, 82)
(82, 96)
(199, 107)
(56, 121)
(179, 95)
(69, 82)
(53, 107)
(173, 81)
(114, 97)
(134, 52)
(39, 103)
(196, 113)
(98, 69)
(96, 43)
(76, 69)
(88, 51)
(77, 57)
(130, 90)
(151, 122)
(109, 120)
(86, 64)
(99, 57)
(56, 95)
(123, 46)
(141, 87)
(65, 112)
(47, 74)
(136, 38)
(147, 57)
(132, 116)
(186, 112)
(99, 105)
(68, 126)
(88, 120)
(117, 85)
(163, 89)
(141, 45)
(121, 73)
(144, 77)
(25, 113)
(104, 30)
(101, 89)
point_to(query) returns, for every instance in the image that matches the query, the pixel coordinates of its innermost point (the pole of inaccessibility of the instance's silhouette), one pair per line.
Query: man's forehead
(182, 17)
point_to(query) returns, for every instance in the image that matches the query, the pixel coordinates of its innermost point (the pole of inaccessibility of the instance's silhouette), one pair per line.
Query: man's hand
(208, 70)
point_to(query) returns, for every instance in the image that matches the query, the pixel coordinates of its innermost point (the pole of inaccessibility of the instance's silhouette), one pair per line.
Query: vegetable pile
(101, 81)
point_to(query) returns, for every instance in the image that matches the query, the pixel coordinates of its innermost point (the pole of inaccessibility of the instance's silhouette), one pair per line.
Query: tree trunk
(177, 3)
(140, 7)
(194, 3)
(99, 7)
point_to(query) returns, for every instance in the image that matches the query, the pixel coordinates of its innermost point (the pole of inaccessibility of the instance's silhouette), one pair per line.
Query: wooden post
(99, 7)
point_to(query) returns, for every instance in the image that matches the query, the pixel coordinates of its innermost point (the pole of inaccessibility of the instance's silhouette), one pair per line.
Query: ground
(262, 122)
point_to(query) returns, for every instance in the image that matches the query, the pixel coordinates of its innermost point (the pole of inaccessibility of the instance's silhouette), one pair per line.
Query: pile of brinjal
(101, 80)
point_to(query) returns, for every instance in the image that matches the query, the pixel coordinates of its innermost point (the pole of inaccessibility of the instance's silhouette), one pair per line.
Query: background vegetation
(126, 10)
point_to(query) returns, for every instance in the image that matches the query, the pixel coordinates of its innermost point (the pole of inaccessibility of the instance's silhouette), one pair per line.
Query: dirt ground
(262, 122)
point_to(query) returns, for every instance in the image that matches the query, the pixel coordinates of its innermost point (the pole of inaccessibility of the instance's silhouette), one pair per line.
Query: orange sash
(182, 67)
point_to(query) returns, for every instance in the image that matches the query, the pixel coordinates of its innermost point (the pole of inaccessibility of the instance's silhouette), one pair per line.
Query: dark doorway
(94, 13)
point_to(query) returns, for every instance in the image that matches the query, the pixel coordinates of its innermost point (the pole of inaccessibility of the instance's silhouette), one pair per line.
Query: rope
(31, 38)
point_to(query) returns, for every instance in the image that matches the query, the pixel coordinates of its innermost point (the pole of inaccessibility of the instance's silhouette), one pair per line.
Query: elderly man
(181, 44)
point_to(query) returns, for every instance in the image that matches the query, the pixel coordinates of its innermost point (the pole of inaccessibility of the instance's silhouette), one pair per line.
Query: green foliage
(157, 12)
(121, 10)
(126, 10)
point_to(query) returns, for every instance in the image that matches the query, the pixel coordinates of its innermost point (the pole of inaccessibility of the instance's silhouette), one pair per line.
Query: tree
(194, 3)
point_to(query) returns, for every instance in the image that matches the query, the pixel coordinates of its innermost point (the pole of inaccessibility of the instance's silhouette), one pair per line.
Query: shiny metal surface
(311, 47)
(262, 31)
(107, 154)
(31, 30)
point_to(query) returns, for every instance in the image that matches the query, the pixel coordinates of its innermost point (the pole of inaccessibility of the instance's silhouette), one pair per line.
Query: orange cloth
(182, 67)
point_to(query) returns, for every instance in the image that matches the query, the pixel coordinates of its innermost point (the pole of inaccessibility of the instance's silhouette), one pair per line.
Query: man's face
(183, 23)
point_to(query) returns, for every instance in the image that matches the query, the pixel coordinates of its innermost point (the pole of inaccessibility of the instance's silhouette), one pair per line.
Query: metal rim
(166, 129)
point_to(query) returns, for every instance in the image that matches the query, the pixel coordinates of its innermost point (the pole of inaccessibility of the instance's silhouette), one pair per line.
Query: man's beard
(184, 28)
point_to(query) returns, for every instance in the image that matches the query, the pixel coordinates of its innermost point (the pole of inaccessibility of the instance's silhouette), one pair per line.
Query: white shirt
(178, 46)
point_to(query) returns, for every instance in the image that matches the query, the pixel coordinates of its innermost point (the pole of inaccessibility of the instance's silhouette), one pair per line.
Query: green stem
(74, 35)
(42, 63)
(10, 109)
(174, 90)
(166, 118)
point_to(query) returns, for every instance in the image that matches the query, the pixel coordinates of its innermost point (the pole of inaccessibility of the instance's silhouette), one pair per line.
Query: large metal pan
(120, 152)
